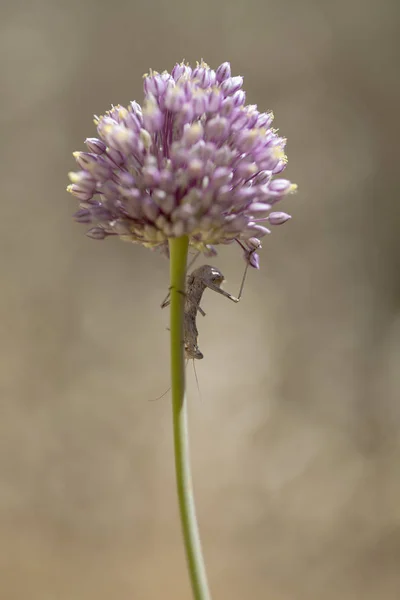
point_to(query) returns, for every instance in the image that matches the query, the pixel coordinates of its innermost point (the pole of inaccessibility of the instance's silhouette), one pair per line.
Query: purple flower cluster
(195, 160)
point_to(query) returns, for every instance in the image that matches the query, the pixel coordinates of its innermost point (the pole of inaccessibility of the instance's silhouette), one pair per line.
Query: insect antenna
(197, 379)
(166, 391)
(195, 257)
(248, 254)
(159, 397)
(243, 281)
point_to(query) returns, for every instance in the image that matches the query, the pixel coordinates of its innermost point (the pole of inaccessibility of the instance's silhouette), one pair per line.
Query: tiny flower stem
(178, 257)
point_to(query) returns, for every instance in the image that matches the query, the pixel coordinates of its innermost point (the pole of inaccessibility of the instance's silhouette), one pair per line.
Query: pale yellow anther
(151, 73)
(69, 188)
(74, 177)
(293, 188)
(145, 137)
(253, 134)
(107, 129)
(279, 154)
(175, 91)
(76, 154)
(122, 112)
(150, 107)
(122, 134)
(193, 133)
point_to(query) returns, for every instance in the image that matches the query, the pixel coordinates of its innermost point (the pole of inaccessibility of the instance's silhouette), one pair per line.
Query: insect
(201, 278)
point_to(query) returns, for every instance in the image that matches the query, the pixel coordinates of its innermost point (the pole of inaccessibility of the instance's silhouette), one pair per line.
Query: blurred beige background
(295, 442)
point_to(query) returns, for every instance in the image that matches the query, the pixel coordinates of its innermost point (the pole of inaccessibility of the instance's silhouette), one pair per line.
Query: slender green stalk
(178, 257)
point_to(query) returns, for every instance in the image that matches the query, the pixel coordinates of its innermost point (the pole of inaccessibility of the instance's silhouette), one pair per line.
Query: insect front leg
(217, 289)
(167, 301)
(216, 286)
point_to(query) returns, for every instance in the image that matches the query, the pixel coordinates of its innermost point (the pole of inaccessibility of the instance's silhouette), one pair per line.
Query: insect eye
(216, 275)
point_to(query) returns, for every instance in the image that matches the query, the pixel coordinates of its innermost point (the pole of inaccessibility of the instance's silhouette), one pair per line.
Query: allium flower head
(195, 160)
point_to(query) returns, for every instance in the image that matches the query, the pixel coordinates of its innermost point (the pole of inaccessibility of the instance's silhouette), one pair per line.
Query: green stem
(178, 257)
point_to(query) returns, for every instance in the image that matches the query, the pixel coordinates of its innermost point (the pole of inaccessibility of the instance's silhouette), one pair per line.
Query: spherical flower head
(195, 160)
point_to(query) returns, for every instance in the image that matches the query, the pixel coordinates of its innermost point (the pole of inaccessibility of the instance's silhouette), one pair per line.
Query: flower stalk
(178, 248)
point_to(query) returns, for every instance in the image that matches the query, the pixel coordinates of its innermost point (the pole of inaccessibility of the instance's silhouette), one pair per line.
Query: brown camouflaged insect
(201, 278)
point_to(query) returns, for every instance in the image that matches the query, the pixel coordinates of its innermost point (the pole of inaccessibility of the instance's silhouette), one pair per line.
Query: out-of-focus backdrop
(295, 438)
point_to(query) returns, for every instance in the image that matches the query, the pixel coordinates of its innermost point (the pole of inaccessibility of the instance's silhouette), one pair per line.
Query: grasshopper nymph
(201, 278)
